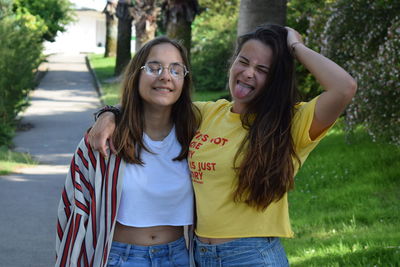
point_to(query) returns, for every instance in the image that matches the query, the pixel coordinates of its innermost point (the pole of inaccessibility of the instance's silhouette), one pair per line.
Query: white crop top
(159, 192)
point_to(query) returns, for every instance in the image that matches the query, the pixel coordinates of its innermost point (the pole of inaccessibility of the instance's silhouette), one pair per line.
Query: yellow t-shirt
(211, 156)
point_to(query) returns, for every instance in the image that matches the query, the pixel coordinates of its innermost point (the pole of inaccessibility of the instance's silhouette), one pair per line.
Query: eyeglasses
(177, 71)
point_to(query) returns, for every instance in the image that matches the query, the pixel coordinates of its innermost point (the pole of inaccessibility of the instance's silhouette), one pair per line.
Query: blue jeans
(166, 255)
(252, 251)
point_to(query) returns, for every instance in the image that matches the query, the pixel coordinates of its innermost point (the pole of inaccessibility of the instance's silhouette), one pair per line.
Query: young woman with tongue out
(245, 154)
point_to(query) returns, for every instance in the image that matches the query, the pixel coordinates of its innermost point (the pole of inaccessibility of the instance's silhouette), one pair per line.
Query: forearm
(331, 76)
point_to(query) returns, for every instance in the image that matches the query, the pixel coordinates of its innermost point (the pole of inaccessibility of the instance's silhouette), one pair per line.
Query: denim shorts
(252, 251)
(126, 255)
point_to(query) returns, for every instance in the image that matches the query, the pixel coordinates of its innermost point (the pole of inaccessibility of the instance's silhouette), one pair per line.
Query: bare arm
(101, 133)
(339, 86)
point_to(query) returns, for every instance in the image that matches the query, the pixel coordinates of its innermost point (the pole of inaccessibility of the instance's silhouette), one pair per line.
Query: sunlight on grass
(345, 203)
(111, 93)
(10, 160)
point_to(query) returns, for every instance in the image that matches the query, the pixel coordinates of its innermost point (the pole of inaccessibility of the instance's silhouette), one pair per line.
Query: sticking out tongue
(242, 90)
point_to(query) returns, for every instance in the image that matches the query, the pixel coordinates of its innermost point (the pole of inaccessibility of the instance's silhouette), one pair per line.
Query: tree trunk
(124, 37)
(255, 12)
(111, 29)
(144, 13)
(179, 17)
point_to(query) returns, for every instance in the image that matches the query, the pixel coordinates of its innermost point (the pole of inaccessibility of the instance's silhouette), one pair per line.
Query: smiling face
(162, 91)
(249, 73)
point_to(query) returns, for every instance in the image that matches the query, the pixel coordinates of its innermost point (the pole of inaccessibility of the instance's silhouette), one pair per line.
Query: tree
(178, 18)
(124, 36)
(55, 14)
(111, 29)
(144, 13)
(255, 12)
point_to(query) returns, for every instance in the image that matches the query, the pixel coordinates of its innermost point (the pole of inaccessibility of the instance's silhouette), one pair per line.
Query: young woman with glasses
(245, 154)
(130, 209)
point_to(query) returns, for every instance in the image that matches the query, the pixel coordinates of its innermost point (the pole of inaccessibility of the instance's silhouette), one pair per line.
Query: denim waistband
(236, 245)
(155, 249)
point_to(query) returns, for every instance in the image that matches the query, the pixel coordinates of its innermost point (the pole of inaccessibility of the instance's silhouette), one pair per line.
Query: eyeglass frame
(162, 69)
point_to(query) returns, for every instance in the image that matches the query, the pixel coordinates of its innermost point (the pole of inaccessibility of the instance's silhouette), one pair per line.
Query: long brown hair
(128, 136)
(266, 172)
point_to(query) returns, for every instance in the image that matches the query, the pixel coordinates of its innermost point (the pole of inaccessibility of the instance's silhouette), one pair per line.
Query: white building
(87, 33)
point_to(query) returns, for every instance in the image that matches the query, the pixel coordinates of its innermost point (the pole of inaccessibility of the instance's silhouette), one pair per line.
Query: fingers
(103, 150)
(96, 143)
(101, 132)
(112, 148)
(293, 38)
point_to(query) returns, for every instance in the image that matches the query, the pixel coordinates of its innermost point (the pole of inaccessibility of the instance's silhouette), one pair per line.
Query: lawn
(345, 207)
(10, 161)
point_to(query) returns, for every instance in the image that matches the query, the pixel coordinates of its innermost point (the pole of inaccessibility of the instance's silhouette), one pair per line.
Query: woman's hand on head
(101, 132)
(293, 38)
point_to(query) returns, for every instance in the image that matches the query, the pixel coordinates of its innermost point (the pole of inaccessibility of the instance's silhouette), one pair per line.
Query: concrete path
(60, 112)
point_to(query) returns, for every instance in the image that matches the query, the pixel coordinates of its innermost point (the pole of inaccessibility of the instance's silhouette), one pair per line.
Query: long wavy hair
(128, 136)
(266, 171)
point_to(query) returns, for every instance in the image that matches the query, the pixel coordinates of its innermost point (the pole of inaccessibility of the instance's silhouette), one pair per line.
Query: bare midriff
(147, 236)
(214, 241)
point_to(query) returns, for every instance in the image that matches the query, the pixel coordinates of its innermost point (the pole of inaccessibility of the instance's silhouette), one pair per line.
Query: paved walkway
(60, 112)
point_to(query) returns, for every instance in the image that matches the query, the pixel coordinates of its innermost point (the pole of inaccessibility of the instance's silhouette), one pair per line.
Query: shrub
(20, 54)
(363, 37)
(213, 40)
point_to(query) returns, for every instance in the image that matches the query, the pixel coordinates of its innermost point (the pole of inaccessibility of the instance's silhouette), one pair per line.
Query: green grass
(104, 69)
(10, 161)
(345, 207)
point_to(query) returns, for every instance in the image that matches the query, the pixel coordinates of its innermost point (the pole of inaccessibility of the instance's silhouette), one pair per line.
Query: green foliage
(54, 14)
(20, 54)
(363, 36)
(300, 16)
(213, 37)
(344, 210)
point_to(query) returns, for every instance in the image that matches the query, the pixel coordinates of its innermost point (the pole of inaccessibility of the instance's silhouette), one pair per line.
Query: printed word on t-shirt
(199, 169)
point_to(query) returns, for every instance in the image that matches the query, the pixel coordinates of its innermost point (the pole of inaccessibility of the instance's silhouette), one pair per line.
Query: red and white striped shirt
(88, 208)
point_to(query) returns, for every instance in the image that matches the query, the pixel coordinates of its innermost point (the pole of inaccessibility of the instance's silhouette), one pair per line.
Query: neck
(237, 108)
(158, 123)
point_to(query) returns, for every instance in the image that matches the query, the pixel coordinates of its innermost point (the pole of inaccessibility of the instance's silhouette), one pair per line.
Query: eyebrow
(153, 61)
(259, 66)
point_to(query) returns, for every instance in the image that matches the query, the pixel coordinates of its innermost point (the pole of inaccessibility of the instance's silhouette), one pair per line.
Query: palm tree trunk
(179, 17)
(255, 12)
(144, 13)
(111, 29)
(124, 37)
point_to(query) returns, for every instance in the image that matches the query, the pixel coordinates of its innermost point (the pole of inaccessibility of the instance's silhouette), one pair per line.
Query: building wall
(86, 34)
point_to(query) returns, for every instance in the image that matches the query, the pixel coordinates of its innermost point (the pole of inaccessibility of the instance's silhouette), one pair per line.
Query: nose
(249, 72)
(165, 75)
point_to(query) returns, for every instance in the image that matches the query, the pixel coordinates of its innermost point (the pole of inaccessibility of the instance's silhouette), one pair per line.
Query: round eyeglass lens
(153, 68)
(177, 70)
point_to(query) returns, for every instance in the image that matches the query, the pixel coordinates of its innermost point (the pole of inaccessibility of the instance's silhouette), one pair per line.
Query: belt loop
(127, 251)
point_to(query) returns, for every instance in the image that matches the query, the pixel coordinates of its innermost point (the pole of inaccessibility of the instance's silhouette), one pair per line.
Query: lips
(163, 89)
(242, 89)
